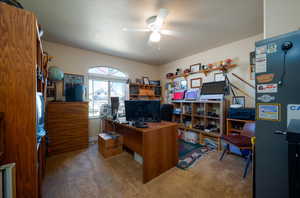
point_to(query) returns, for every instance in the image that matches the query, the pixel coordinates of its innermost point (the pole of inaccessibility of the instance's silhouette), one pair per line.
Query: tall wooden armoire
(20, 55)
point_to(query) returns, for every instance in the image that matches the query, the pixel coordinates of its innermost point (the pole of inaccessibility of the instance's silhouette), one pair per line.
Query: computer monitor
(142, 110)
(114, 106)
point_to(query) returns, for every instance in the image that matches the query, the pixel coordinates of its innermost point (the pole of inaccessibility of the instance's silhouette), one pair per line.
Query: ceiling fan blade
(163, 13)
(169, 33)
(136, 30)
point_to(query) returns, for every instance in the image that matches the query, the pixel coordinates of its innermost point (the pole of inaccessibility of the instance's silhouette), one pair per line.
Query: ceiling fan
(154, 25)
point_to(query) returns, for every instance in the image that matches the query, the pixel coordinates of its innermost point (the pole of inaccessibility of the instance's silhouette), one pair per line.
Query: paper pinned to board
(267, 88)
(267, 111)
(265, 78)
(261, 50)
(266, 98)
(261, 63)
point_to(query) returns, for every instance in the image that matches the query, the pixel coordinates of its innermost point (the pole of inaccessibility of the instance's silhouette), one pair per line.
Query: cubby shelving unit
(199, 115)
(235, 126)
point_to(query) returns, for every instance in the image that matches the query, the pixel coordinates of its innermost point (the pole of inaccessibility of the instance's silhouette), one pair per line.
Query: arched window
(107, 72)
(104, 83)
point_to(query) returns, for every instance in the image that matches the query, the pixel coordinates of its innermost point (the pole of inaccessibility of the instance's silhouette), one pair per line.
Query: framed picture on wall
(180, 84)
(51, 92)
(252, 65)
(146, 81)
(219, 77)
(195, 68)
(71, 80)
(241, 100)
(138, 81)
(252, 72)
(196, 82)
(176, 84)
(183, 84)
(252, 58)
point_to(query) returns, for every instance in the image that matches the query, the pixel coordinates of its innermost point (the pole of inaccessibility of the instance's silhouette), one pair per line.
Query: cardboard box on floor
(109, 146)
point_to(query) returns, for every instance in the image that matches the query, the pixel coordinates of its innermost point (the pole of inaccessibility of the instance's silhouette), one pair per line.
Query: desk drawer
(132, 139)
(111, 151)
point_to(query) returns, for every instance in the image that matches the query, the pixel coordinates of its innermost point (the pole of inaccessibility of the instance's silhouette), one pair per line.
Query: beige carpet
(86, 174)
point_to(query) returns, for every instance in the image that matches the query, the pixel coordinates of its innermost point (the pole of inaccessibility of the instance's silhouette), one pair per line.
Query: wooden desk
(157, 144)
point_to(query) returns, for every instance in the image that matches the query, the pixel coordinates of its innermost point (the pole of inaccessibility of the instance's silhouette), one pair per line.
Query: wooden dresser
(67, 126)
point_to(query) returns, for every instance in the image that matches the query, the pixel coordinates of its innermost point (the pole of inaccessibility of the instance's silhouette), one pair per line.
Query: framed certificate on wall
(219, 77)
(196, 82)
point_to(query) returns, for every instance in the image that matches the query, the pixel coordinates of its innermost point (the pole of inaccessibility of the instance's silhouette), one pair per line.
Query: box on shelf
(177, 111)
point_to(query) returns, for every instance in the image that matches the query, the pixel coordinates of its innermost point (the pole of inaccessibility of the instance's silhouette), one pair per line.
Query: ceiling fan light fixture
(155, 37)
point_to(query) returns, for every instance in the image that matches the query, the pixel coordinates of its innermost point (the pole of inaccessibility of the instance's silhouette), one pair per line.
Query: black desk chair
(166, 112)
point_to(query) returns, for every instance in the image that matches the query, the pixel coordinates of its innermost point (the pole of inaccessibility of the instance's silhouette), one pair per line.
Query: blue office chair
(243, 142)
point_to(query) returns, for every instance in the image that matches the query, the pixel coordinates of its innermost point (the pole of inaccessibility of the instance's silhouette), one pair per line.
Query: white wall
(78, 61)
(239, 51)
(281, 16)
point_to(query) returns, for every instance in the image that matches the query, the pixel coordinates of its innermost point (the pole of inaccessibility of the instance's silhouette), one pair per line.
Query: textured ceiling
(97, 25)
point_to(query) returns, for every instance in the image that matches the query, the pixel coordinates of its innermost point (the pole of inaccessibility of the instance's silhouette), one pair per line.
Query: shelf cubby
(202, 113)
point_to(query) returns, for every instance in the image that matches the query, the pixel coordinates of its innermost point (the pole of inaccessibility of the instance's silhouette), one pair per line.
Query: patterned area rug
(190, 153)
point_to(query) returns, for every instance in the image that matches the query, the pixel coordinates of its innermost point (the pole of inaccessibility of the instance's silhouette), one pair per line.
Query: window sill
(94, 118)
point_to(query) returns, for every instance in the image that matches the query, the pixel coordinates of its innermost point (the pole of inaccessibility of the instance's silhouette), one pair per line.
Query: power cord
(286, 46)
(280, 83)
